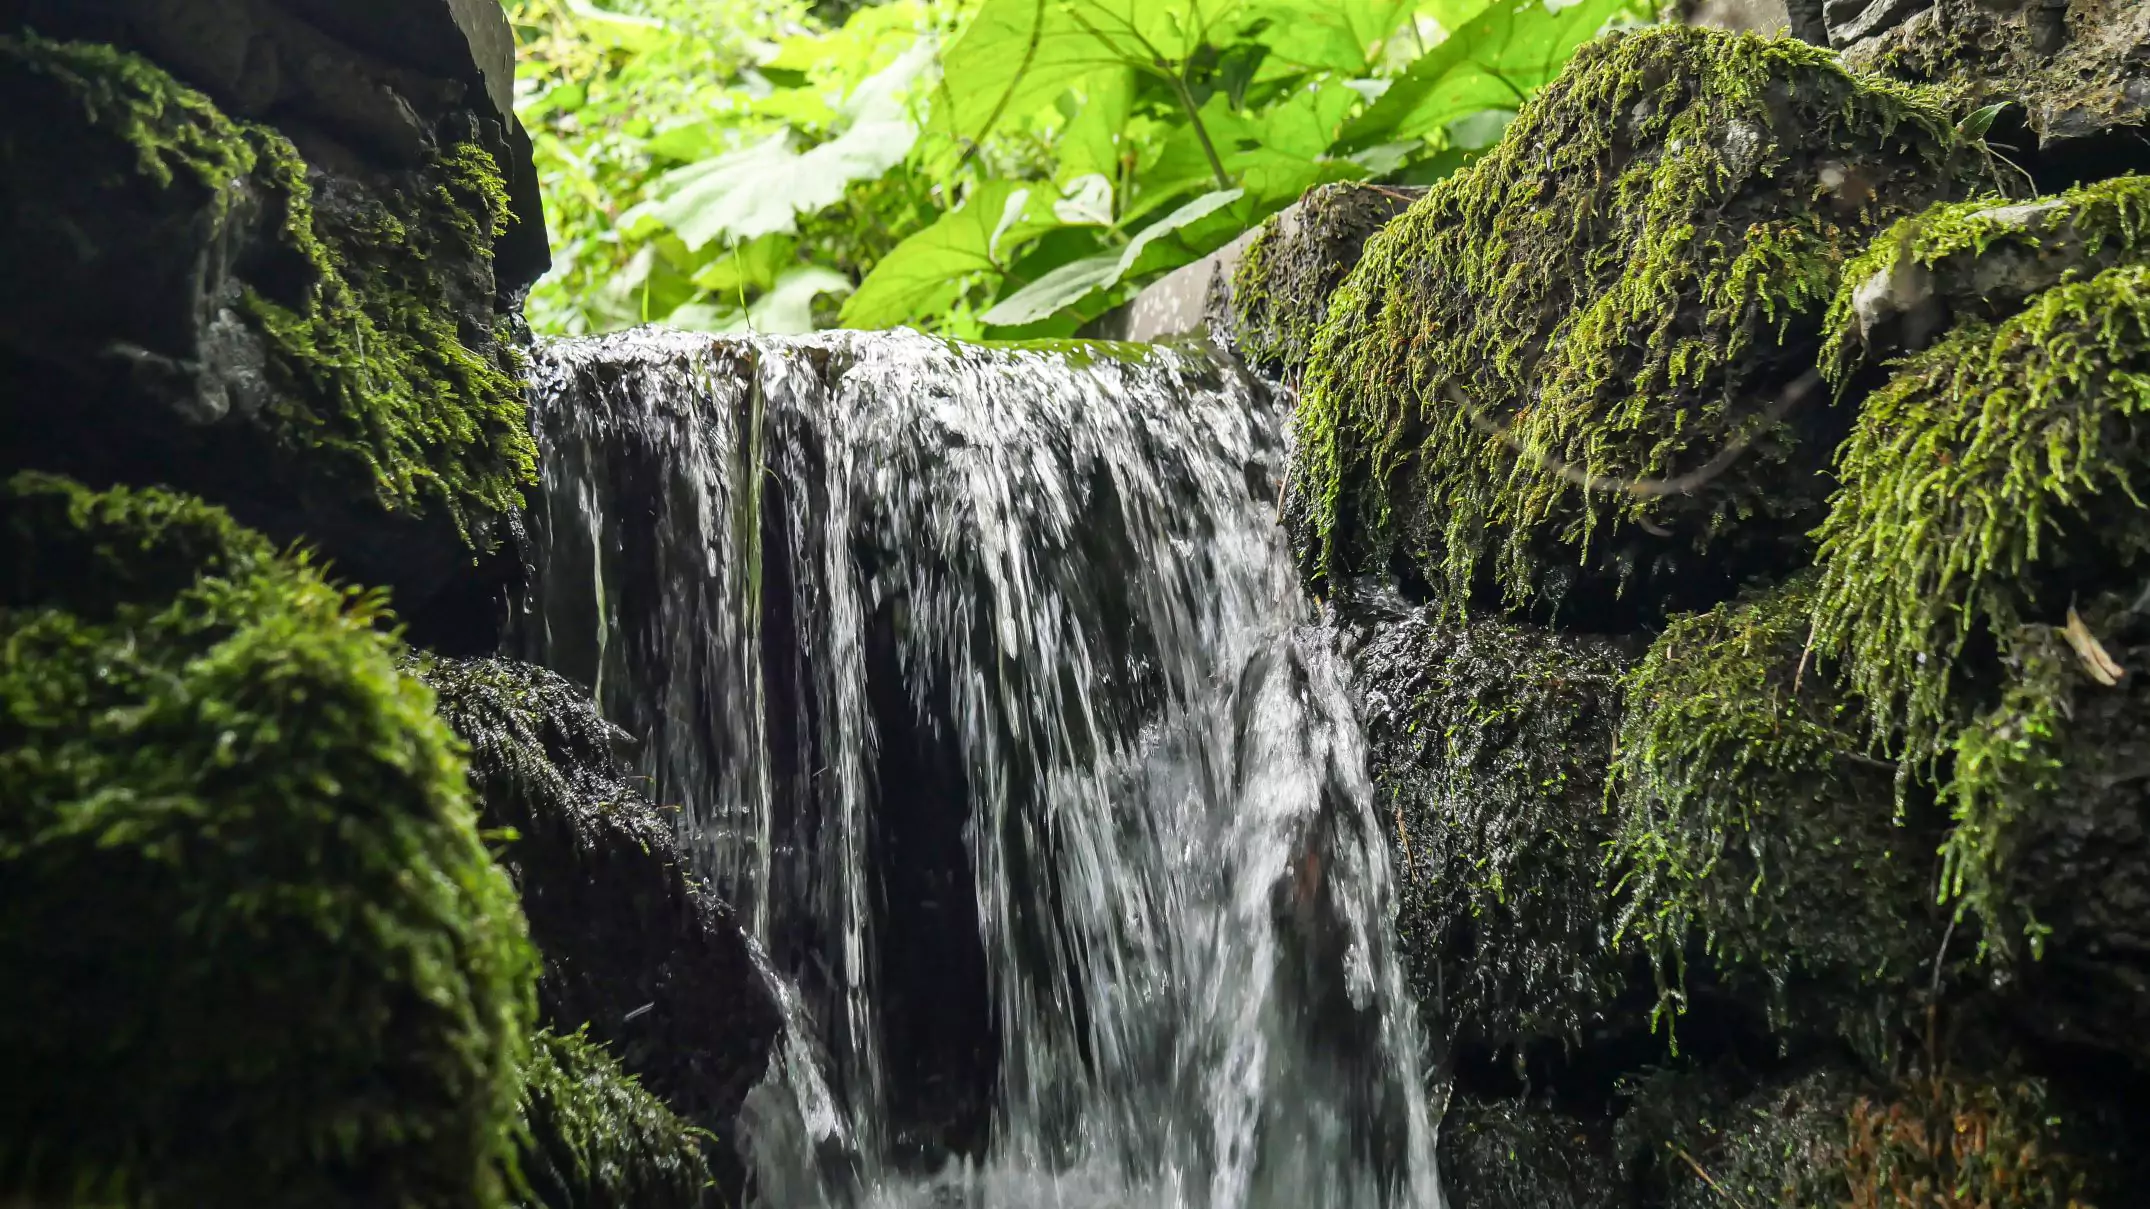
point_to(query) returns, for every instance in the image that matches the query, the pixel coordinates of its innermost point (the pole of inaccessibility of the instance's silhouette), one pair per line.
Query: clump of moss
(1991, 483)
(1748, 813)
(1622, 292)
(1706, 1139)
(376, 306)
(1507, 1155)
(256, 951)
(1281, 289)
(1980, 259)
(592, 1136)
(1489, 745)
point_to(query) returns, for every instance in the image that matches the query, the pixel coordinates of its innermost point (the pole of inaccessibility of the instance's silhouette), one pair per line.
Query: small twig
(1685, 484)
(1716, 1187)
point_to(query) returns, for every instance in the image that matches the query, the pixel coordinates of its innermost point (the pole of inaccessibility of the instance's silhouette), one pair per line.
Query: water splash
(980, 676)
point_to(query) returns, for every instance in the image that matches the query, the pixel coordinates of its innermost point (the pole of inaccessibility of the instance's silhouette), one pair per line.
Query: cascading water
(981, 677)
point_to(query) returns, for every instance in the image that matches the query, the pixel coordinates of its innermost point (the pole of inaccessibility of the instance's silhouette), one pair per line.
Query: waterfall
(983, 683)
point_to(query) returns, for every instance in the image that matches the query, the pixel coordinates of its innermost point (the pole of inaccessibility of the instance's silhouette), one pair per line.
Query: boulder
(1281, 288)
(256, 952)
(636, 950)
(1578, 376)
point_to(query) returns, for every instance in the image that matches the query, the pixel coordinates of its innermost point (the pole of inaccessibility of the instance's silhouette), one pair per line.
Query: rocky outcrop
(1577, 376)
(635, 951)
(1281, 288)
(1796, 853)
(254, 948)
(277, 247)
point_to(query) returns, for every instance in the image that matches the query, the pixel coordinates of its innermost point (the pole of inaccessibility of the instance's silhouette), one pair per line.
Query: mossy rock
(256, 953)
(1586, 360)
(1750, 815)
(635, 948)
(1281, 289)
(1989, 487)
(1978, 260)
(1510, 1155)
(2072, 74)
(593, 1137)
(1489, 743)
(320, 353)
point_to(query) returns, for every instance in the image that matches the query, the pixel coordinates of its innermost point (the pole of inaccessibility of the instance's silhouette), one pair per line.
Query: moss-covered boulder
(2073, 74)
(1587, 359)
(1281, 289)
(1977, 260)
(1750, 815)
(320, 351)
(255, 952)
(1511, 1155)
(635, 948)
(1489, 743)
(593, 1137)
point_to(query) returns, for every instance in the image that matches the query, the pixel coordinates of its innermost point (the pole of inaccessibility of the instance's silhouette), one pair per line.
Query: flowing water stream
(984, 684)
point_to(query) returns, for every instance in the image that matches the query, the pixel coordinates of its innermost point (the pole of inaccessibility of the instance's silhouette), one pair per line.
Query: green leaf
(1979, 121)
(620, 31)
(1070, 283)
(788, 309)
(1013, 57)
(924, 267)
(1331, 35)
(1495, 60)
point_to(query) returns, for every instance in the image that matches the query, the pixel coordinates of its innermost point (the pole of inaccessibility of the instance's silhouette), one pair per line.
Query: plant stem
(1201, 132)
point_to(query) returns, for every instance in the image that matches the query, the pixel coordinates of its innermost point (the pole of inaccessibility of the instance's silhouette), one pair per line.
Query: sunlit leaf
(1088, 202)
(788, 308)
(1331, 35)
(1055, 291)
(925, 266)
(619, 31)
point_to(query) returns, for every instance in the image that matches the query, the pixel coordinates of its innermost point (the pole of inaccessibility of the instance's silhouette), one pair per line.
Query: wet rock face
(634, 948)
(277, 260)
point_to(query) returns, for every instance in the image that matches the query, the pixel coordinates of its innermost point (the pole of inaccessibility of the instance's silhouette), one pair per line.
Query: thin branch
(1715, 1187)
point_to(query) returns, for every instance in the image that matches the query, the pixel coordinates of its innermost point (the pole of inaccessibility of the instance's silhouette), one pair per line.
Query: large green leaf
(1495, 60)
(1331, 35)
(1013, 57)
(967, 240)
(1071, 282)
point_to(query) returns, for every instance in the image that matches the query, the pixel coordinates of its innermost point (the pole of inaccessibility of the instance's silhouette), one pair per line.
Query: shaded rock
(634, 947)
(1489, 743)
(255, 951)
(1511, 1156)
(1280, 292)
(594, 1137)
(1577, 377)
(318, 346)
(2074, 73)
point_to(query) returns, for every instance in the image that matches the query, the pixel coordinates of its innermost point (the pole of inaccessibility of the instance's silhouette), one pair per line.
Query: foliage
(1610, 297)
(592, 1136)
(979, 166)
(1747, 813)
(1701, 1143)
(1945, 1143)
(1293, 265)
(1988, 486)
(355, 313)
(257, 951)
(1489, 744)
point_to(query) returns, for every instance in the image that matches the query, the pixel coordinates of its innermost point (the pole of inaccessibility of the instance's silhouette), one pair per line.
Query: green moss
(1281, 289)
(1988, 486)
(1506, 1155)
(1748, 814)
(377, 310)
(1990, 253)
(1616, 293)
(1712, 1138)
(257, 953)
(593, 1137)
(1489, 744)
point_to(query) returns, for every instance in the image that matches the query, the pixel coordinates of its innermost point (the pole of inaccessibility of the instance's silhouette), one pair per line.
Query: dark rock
(2074, 74)
(634, 947)
(1510, 1155)
(319, 349)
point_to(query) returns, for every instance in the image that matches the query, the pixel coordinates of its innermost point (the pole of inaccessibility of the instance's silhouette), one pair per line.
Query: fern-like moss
(1748, 814)
(255, 952)
(1619, 291)
(593, 1137)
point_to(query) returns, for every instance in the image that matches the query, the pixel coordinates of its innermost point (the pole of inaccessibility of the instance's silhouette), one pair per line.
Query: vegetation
(358, 320)
(1528, 366)
(257, 952)
(1748, 814)
(980, 167)
(593, 1137)
(1986, 488)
